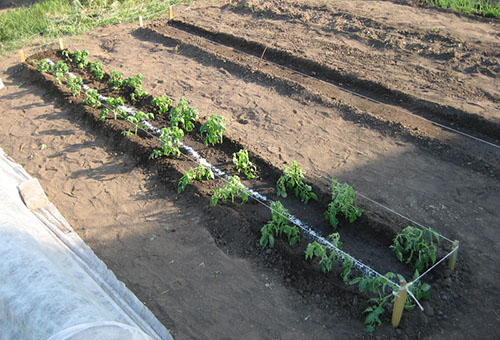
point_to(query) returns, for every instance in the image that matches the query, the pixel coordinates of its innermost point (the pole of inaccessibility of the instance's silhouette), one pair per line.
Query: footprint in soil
(109, 45)
(245, 117)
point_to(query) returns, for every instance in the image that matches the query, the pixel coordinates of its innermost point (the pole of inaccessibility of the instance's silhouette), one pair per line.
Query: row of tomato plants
(413, 245)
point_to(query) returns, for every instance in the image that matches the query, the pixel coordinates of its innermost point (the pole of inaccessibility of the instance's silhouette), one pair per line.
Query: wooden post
(140, 21)
(170, 13)
(399, 304)
(453, 258)
(61, 44)
(21, 56)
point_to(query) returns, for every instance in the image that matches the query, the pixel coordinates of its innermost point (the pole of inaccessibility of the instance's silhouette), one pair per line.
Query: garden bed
(367, 239)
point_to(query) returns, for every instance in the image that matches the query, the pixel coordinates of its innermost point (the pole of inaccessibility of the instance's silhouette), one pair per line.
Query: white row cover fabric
(52, 286)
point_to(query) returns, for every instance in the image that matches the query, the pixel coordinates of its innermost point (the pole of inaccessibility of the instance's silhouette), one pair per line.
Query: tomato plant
(60, 69)
(169, 140)
(74, 85)
(114, 107)
(92, 99)
(80, 58)
(315, 249)
(115, 80)
(163, 104)
(96, 69)
(279, 224)
(416, 244)
(138, 121)
(136, 84)
(383, 290)
(197, 173)
(233, 188)
(44, 66)
(419, 289)
(342, 202)
(183, 115)
(213, 129)
(292, 178)
(242, 162)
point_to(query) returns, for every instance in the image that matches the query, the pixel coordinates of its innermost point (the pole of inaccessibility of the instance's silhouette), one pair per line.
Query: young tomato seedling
(169, 139)
(60, 69)
(44, 66)
(342, 202)
(213, 129)
(114, 107)
(138, 121)
(279, 224)
(183, 115)
(115, 80)
(292, 178)
(416, 244)
(136, 84)
(74, 85)
(242, 162)
(197, 173)
(162, 103)
(233, 188)
(80, 58)
(92, 99)
(314, 249)
(96, 69)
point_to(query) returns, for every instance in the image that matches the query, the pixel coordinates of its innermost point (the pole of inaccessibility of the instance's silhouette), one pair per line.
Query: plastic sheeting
(52, 286)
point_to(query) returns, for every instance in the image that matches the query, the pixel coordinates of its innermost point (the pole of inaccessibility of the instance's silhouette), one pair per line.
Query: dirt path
(194, 287)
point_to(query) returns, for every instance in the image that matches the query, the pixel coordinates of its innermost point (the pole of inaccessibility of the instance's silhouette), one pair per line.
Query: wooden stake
(61, 44)
(170, 13)
(1, 84)
(453, 258)
(21, 56)
(399, 304)
(140, 21)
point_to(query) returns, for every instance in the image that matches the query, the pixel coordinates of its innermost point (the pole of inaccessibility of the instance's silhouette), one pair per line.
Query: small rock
(447, 282)
(423, 318)
(429, 311)
(268, 251)
(355, 301)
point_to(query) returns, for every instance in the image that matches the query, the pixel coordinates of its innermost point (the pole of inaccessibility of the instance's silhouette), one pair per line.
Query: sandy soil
(191, 279)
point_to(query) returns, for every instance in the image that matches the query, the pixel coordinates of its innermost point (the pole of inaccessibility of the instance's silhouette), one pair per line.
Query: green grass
(485, 8)
(56, 18)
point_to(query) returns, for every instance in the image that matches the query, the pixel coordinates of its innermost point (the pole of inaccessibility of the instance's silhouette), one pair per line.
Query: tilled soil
(201, 280)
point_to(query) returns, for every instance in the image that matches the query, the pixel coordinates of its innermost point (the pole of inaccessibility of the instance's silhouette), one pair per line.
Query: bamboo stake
(453, 258)
(140, 21)
(399, 304)
(61, 44)
(170, 13)
(21, 56)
